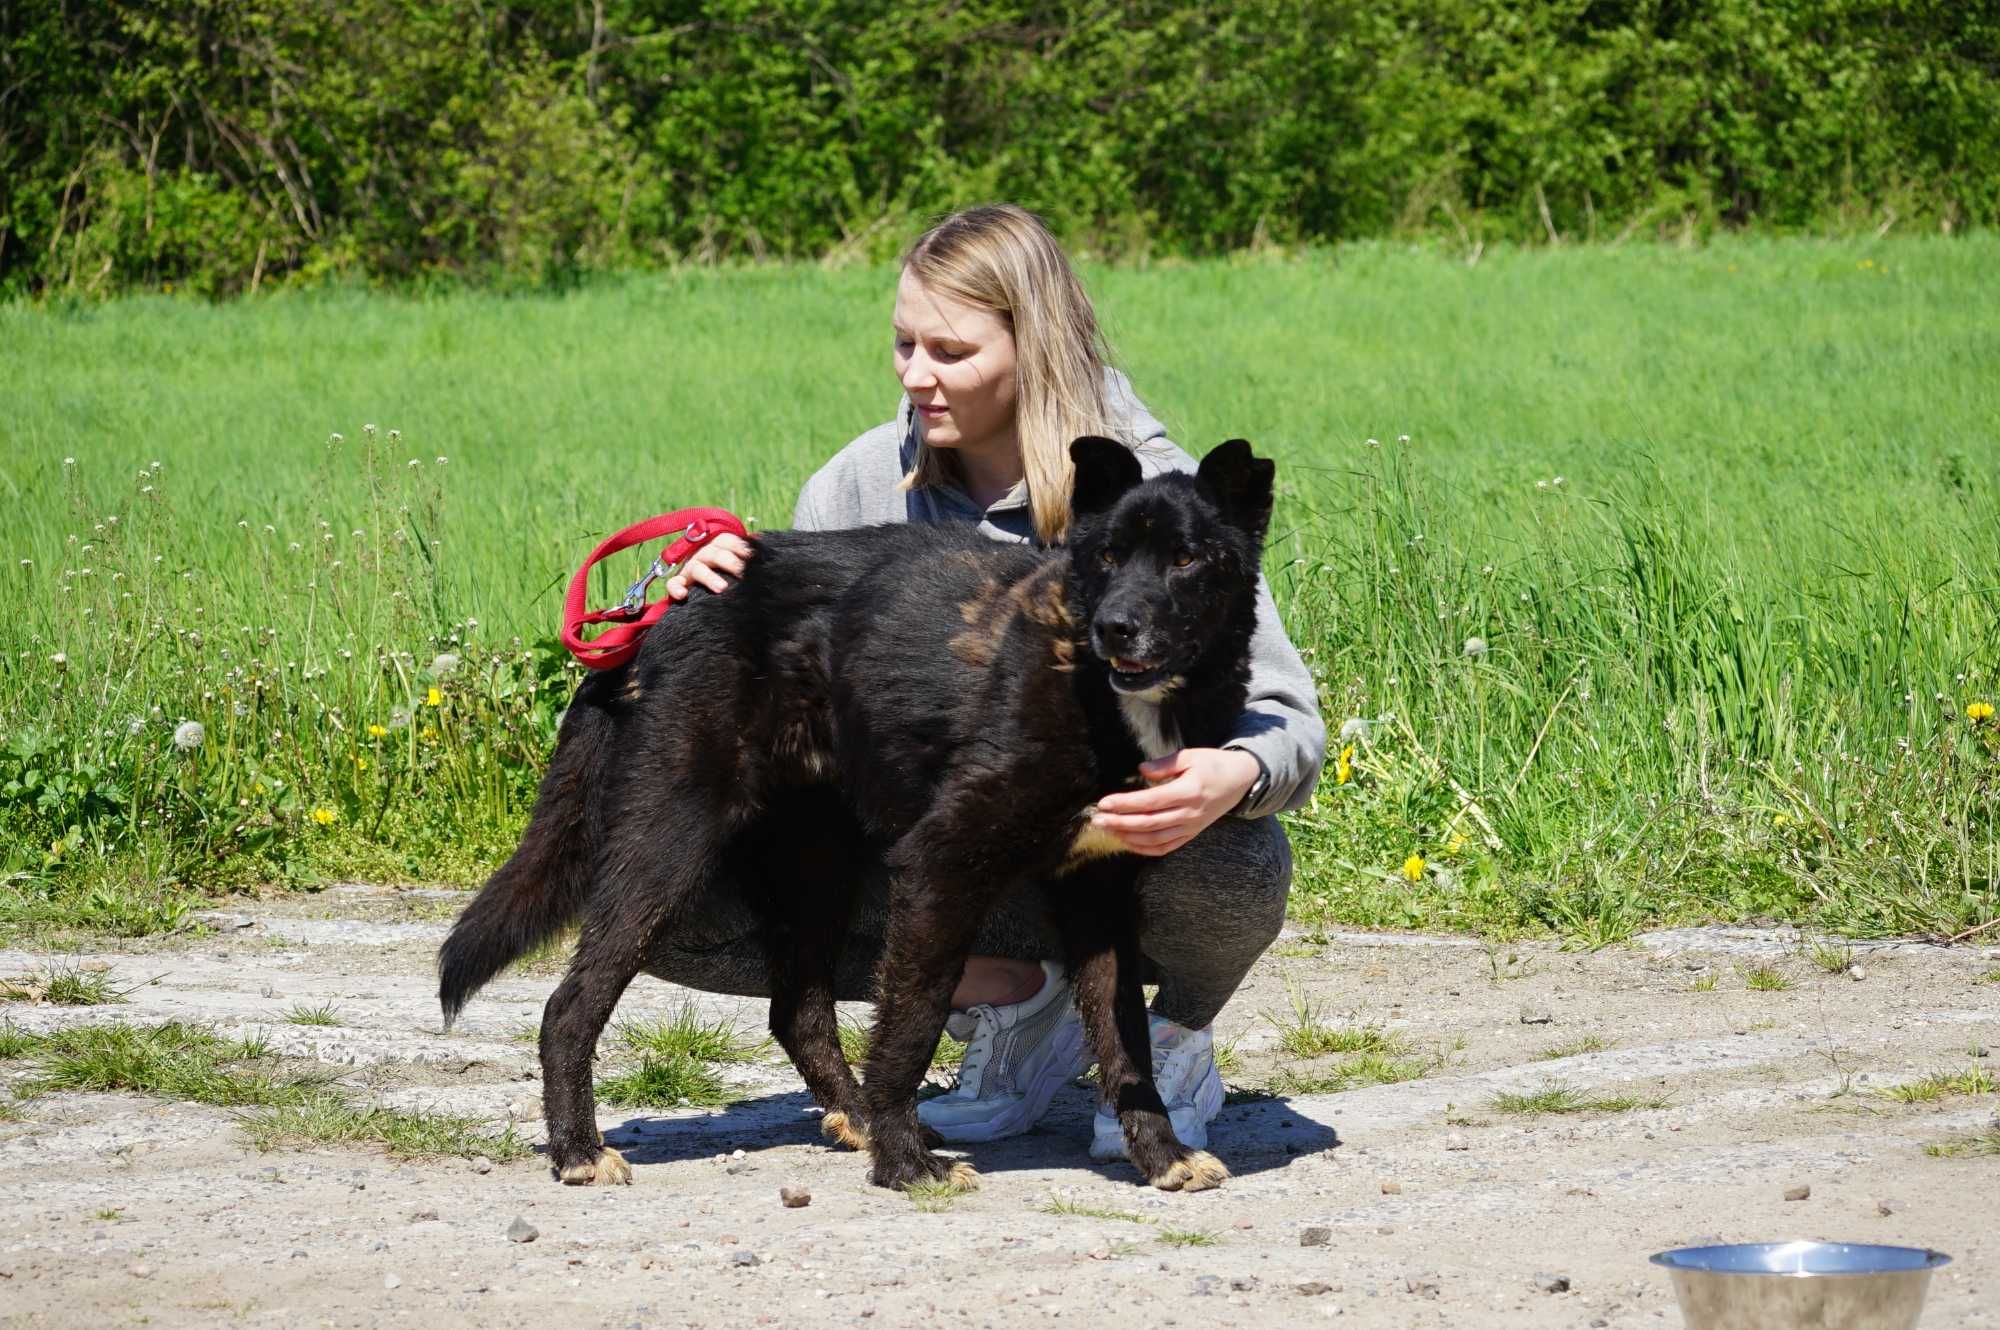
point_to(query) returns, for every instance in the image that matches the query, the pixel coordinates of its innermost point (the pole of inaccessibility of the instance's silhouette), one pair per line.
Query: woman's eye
(946, 353)
(904, 346)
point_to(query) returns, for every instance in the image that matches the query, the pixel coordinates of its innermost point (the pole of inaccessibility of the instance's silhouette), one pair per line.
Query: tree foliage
(228, 144)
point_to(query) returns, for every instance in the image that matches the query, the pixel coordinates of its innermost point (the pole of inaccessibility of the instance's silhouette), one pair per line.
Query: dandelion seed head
(443, 664)
(1355, 727)
(59, 660)
(1475, 647)
(336, 438)
(442, 460)
(69, 461)
(188, 735)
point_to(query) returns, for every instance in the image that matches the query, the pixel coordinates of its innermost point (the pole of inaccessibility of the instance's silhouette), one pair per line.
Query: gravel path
(1412, 1204)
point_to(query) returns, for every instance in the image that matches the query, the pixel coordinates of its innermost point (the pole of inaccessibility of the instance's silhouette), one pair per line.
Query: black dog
(921, 693)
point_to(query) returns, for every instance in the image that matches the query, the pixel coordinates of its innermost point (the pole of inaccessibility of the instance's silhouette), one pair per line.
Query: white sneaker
(1184, 1071)
(1016, 1058)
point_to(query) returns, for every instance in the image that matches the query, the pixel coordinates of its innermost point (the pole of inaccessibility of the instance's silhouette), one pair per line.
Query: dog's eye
(1183, 559)
(1110, 558)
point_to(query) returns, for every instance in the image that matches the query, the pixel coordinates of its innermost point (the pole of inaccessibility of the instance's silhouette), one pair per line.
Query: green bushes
(223, 147)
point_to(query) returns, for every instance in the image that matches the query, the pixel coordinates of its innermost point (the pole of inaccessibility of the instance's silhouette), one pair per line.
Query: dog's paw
(837, 1126)
(926, 1170)
(609, 1169)
(1198, 1170)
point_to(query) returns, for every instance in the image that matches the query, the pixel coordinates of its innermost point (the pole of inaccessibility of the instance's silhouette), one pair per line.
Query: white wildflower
(336, 438)
(443, 664)
(443, 460)
(1475, 647)
(59, 660)
(188, 735)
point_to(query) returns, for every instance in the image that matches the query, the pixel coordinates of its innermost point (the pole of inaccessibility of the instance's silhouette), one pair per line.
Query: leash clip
(690, 540)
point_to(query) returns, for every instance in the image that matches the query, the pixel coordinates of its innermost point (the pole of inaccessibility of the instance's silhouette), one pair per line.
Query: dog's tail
(542, 886)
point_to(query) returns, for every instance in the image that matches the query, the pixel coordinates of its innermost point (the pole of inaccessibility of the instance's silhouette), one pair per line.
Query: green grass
(1189, 1237)
(1589, 1043)
(1990, 977)
(1829, 958)
(277, 1108)
(62, 986)
(1062, 1206)
(16, 1042)
(1306, 1034)
(327, 1119)
(688, 1034)
(1556, 1097)
(1943, 1085)
(1363, 1069)
(933, 1196)
(1974, 1145)
(1706, 983)
(1728, 657)
(324, 1014)
(1764, 979)
(854, 1047)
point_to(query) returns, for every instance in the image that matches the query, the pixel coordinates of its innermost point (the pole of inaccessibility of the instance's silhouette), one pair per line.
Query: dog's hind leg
(643, 878)
(1098, 918)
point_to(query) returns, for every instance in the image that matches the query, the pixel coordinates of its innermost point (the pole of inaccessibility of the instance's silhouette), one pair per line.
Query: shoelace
(985, 1026)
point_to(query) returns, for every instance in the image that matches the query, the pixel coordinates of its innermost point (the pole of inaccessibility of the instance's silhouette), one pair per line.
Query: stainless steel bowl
(1801, 1285)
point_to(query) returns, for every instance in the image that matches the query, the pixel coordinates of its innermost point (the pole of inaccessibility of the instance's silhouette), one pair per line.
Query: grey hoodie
(1281, 725)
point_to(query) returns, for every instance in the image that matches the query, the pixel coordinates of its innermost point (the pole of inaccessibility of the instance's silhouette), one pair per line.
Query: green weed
(175, 1061)
(324, 1014)
(688, 1034)
(1561, 1097)
(854, 1047)
(1189, 1237)
(1589, 1043)
(933, 1195)
(1062, 1206)
(1943, 1084)
(673, 1080)
(1705, 984)
(1764, 979)
(1978, 1143)
(62, 986)
(327, 1119)
(1831, 959)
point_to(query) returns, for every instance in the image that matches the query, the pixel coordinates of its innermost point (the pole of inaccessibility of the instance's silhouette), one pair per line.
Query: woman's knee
(1227, 886)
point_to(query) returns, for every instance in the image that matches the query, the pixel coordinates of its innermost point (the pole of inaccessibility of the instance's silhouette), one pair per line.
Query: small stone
(1243, 1283)
(1204, 1285)
(1423, 1288)
(1798, 1193)
(1537, 1016)
(1598, 1323)
(140, 1271)
(744, 1259)
(736, 1154)
(1312, 1288)
(1385, 1229)
(392, 1281)
(481, 1164)
(423, 1216)
(1392, 1189)
(1319, 1235)
(1547, 1283)
(1856, 973)
(1244, 1223)
(1457, 1141)
(1885, 1208)
(522, 1231)
(740, 1167)
(298, 1253)
(795, 1198)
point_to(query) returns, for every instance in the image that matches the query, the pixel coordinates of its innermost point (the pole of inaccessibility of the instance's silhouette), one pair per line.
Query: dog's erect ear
(1238, 482)
(1105, 469)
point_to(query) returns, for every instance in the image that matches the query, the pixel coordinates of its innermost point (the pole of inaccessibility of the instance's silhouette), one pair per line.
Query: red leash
(633, 616)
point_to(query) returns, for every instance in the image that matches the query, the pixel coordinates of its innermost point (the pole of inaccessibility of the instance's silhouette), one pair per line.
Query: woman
(1002, 364)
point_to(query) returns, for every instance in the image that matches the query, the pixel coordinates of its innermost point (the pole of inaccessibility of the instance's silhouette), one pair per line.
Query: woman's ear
(1105, 469)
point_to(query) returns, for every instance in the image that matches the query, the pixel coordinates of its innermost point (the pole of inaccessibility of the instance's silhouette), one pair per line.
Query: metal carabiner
(635, 595)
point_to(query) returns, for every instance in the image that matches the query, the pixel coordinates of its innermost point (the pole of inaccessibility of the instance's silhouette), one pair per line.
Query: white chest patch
(1155, 734)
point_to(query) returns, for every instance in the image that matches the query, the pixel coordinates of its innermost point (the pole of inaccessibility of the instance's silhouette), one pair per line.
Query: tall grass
(1671, 605)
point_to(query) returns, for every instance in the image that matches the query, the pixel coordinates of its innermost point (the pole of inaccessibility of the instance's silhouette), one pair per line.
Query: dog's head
(1166, 569)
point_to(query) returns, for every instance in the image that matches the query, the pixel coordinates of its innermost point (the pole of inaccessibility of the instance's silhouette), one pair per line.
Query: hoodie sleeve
(1281, 725)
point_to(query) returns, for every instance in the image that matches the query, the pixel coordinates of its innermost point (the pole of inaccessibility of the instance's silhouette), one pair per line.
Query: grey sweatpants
(1209, 910)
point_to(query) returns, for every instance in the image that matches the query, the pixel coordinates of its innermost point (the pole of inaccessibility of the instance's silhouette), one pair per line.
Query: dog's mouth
(1135, 674)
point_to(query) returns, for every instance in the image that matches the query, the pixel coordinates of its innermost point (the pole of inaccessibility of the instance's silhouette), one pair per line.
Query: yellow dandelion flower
(361, 764)
(326, 817)
(1781, 821)
(1457, 843)
(434, 698)
(429, 735)
(377, 731)
(1413, 868)
(1343, 771)
(1978, 711)
(258, 788)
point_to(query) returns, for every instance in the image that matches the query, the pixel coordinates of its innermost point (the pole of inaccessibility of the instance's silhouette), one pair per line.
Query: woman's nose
(918, 372)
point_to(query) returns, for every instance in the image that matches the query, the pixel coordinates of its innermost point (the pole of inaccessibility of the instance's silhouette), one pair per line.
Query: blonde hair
(1002, 258)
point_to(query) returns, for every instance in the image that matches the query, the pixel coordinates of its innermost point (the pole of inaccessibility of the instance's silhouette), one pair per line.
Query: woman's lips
(931, 412)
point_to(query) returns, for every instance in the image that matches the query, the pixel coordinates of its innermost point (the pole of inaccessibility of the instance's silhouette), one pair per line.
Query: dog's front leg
(930, 934)
(1099, 919)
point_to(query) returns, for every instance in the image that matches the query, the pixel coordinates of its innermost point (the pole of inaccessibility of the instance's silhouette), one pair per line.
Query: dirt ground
(1412, 1204)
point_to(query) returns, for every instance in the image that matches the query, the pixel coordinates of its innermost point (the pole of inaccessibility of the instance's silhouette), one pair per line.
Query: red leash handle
(633, 616)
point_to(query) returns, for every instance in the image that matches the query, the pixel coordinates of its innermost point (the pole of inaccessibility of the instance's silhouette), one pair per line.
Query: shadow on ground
(1250, 1137)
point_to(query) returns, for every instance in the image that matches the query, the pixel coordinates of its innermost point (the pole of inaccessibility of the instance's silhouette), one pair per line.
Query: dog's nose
(1115, 629)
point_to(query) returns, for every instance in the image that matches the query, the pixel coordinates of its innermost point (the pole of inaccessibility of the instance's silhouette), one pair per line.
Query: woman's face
(956, 361)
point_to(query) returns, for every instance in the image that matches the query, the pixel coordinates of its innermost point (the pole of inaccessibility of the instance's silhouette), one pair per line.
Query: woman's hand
(1186, 790)
(723, 553)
